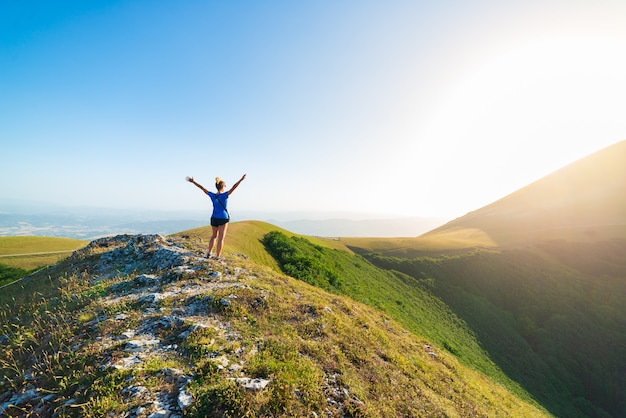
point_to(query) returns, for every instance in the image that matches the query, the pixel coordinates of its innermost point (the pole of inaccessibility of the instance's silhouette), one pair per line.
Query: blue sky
(394, 108)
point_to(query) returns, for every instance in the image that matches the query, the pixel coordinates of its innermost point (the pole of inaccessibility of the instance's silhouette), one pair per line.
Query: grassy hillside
(584, 201)
(552, 317)
(449, 242)
(245, 238)
(20, 255)
(34, 244)
(542, 280)
(139, 326)
(405, 299)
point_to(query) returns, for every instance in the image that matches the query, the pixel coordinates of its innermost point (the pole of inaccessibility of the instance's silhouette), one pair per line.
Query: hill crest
(584, 201)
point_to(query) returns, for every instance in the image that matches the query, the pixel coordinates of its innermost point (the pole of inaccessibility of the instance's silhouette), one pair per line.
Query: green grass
(550, 316)
(311, 335)
(246, 238)
(311, 344)
(20, 256)
(32, 244)
(408, 300)
(11, 274)
(456, 240)
(31, 252)
(504, 311)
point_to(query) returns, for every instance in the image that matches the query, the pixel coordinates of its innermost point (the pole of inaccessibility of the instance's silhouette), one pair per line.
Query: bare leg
(220, 238)
(212, 241)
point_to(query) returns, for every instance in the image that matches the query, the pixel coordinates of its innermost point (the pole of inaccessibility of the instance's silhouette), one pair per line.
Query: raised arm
(192, 181)
(232, 189)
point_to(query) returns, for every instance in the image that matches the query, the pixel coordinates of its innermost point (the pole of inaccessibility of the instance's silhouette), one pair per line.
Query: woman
(220, 215)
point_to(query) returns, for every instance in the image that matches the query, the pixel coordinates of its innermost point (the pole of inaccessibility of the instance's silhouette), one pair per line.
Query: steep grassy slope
(142, 325)
(547, 300)
(541, 281)
(551, 326)
(584, 201)
(327, 264)
(527, 308)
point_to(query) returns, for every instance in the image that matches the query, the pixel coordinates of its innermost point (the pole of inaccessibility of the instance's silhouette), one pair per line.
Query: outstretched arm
(192, 181)
(232, 189)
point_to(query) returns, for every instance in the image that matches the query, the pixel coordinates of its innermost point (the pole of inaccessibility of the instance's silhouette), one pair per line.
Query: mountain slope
(246, 237)
(327, 263)
(554, 329)
(546, 297)
(582, 201)
(144, 326)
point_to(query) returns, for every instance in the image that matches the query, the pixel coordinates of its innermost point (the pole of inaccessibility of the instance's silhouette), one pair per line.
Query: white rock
(139, 345)
(161, 413)
(252, 384)
(128, 362)
(129, 333)
(184, 399)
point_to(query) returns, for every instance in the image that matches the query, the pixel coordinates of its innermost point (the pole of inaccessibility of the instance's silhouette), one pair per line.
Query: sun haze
(390, 108)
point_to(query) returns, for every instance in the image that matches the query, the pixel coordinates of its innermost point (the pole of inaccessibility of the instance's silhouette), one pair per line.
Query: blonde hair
(219, 183)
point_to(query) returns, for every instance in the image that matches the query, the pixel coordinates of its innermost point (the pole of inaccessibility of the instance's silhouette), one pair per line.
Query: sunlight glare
(534, 106)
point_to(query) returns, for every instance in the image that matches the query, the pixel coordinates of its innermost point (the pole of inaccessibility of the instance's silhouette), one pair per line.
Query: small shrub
(303, 260)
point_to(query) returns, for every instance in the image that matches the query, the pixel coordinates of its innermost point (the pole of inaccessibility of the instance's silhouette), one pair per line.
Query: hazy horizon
(21, 218)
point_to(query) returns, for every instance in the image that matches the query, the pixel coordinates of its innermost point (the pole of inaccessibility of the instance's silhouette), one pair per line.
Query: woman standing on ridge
(220, 216)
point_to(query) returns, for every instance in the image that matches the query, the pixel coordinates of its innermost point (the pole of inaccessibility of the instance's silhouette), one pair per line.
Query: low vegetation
(401, 296)
(20, 256)
(523, 309)
(322, 353)
(551, 316)
(514, 316)
(10, 274)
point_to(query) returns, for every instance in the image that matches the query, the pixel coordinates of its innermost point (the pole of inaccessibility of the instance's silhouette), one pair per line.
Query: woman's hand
(232, 189)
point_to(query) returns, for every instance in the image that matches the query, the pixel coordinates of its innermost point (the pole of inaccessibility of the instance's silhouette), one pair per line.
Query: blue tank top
(220, 203)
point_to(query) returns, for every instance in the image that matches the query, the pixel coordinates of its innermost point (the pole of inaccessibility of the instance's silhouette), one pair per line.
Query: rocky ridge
(154, 269)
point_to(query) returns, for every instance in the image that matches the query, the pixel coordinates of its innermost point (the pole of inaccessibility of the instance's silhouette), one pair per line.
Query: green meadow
(22, 255)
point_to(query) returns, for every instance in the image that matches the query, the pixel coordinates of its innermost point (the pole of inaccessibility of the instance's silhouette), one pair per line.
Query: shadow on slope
(408, 300)
(551, 317)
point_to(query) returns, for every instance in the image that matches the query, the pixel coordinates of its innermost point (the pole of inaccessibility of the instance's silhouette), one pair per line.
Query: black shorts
(218, 221)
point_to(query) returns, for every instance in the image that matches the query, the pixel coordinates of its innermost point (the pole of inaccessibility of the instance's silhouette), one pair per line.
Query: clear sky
(421, 108)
